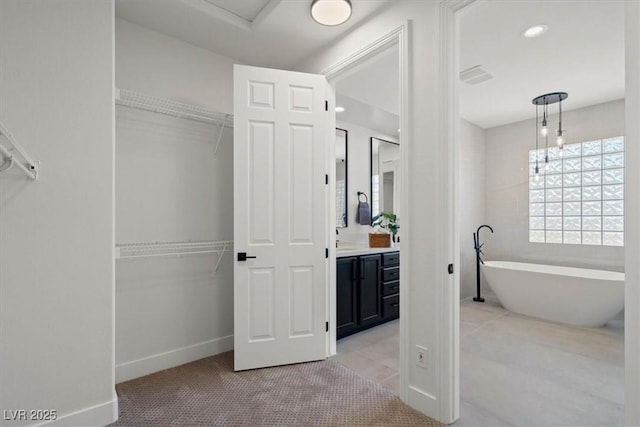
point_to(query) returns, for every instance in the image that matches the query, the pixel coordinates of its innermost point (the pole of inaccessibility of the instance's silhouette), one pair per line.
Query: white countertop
(363, 250)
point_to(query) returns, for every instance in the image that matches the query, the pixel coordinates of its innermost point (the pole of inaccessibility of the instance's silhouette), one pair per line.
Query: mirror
(385, 160)
(341, 177)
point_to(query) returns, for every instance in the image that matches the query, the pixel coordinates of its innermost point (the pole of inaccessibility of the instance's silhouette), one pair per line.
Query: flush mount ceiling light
(535, 31)
(330, 12)
(544, 101)
(339, 109)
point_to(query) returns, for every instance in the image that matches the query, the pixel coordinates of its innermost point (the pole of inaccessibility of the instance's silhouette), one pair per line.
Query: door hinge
(326, 105)
(450, 268)
(326, 252)
(326, 326)
(326, 179)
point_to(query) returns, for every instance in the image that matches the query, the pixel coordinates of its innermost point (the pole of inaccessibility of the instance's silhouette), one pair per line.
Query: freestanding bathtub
(577, 296)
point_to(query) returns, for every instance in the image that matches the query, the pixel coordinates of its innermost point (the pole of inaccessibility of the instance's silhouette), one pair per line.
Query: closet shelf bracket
(15, 155)
(215, 152)
(219, 259)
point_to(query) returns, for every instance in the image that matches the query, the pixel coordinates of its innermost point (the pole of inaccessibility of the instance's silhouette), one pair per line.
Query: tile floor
(515, 370)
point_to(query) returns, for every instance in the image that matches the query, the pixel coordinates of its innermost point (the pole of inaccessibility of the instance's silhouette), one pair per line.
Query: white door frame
(632, 214)
(448, 56)
(447, 133)
(398, 36)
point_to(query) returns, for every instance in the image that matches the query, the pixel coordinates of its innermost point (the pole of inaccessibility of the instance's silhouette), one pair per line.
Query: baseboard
(97, 415)
(424, 402)
(157, 362)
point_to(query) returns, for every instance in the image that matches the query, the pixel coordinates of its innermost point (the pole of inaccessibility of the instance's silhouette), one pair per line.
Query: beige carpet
(208, 393)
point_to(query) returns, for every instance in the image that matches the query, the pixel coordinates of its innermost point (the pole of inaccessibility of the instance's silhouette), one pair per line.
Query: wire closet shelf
(160, 249)
(132, 99)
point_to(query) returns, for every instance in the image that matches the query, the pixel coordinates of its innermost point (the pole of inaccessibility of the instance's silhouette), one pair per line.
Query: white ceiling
(582, 53)
(268, 33)
(246, 9)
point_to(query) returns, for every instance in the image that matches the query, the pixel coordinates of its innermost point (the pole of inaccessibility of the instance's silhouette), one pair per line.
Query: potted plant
(387, 221)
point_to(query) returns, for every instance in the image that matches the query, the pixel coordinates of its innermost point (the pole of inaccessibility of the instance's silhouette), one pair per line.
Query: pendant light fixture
(331, 12)
(544, 101)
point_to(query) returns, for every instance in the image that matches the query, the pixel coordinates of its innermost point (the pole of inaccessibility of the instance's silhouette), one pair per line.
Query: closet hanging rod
(27, 165)
(131, 99)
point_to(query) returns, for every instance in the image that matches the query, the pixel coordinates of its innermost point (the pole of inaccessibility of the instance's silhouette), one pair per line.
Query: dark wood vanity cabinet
(391, 285)
(347, 295)
(368, 289)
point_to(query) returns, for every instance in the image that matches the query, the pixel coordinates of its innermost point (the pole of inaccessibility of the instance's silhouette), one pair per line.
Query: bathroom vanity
(368, 288)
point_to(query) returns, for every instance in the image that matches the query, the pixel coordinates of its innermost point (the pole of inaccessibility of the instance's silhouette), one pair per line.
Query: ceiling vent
(475, 75)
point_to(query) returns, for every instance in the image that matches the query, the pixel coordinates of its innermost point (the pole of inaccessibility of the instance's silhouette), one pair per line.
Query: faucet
(478, 247)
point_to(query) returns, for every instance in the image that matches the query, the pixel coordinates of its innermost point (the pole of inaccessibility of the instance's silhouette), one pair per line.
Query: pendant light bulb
(560, 140)
(545, 129)
(560, 151)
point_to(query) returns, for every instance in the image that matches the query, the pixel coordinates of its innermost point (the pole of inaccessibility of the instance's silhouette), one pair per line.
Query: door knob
(242, 256)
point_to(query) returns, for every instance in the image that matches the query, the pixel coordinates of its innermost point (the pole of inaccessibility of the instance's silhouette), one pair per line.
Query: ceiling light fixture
(331, 12)
(339, 109)
(544, 101)
(535, 31)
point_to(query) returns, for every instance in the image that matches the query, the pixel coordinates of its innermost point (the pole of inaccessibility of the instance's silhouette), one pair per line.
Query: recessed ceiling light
(398, 130)
(331, 12)
(339, 109)
(535, 31)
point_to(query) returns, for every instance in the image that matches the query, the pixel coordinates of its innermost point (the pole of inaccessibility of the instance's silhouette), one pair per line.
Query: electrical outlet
(421, 356)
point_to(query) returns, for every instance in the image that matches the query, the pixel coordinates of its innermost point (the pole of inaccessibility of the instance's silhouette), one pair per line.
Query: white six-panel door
(280, 217)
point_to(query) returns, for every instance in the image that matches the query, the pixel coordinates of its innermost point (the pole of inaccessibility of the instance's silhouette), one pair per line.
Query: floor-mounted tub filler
(577, 296)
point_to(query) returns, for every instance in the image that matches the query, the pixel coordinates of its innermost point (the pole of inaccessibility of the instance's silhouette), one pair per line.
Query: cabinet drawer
(390, 288)
(391, 258)
(391, 306)
(390, 274)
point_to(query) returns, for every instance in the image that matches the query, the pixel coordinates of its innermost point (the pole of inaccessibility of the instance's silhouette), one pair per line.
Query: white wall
(507, 190)
(56, 245)
(170, 187)
(471, 168)
(423, 264)
(359, 179)
(156, 64)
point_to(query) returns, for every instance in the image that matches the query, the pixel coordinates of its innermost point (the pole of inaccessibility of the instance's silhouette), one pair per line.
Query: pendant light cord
(546, 137)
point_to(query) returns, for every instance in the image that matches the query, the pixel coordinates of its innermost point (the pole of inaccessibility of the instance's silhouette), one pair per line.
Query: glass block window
(578, 198)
